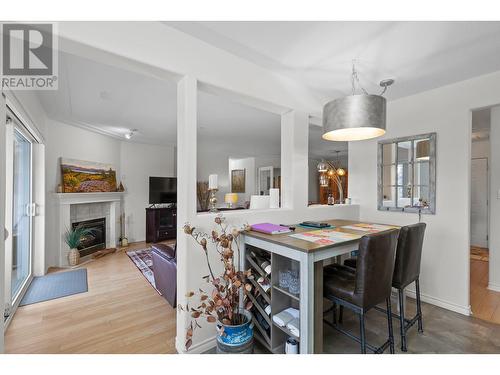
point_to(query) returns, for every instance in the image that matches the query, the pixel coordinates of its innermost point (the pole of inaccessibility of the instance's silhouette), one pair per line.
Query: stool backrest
(375, 267)
(408, 255)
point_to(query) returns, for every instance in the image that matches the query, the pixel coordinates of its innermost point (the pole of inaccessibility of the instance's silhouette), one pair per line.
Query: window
(407, 174)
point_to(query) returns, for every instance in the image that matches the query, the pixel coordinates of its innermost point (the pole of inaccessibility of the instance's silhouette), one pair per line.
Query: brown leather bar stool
(368, 286)
(406, 271)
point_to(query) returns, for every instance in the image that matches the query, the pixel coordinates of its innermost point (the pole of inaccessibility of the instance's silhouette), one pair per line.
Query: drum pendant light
(356, 117)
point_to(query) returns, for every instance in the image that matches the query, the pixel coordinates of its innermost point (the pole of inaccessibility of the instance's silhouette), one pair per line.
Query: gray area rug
(56, 285)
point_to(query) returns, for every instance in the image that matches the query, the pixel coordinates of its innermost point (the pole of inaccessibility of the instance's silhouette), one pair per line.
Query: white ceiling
(112, 100)
(419, 55)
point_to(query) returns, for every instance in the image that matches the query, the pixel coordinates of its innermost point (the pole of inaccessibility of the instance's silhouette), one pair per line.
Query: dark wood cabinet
(161, 224)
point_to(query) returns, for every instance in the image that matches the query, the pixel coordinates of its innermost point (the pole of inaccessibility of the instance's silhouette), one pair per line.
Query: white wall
(220, 159)
(63, 140)
(447, 111)
(137, 163)
(494, 240)
(133, 161)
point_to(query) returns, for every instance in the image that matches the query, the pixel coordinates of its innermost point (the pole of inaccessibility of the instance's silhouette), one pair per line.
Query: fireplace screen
(94, 241)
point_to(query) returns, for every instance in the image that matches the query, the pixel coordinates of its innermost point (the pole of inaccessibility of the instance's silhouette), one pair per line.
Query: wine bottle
(266, 266)
(262, 321)
(265, 306)
(264, 263)
(264, 284)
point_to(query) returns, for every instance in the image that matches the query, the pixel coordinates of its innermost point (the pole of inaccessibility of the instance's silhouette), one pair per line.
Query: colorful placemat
(326, 236)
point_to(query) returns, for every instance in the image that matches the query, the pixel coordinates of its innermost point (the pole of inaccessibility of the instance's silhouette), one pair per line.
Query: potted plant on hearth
(73, 238)
(227, 304)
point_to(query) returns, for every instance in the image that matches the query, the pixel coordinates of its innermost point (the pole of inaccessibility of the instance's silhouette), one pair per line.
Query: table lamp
(230, 199)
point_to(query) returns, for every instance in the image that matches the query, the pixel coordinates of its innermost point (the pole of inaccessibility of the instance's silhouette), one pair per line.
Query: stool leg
(341, 314)
(334, 311)
(362, 332)
(402, 320)
(389, 323)
(419, 306)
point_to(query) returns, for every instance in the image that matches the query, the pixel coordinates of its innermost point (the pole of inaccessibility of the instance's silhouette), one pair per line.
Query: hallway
(485, 303)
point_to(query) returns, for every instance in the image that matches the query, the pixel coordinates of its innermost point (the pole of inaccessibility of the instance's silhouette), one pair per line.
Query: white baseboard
(494, 287)
(197, 348)
(464, 310)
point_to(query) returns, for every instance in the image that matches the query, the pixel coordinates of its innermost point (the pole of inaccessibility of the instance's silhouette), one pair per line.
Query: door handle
(31, 209)
(5, 233)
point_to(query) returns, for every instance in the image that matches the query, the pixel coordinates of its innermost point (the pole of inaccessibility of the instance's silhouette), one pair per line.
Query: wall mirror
(407, 174)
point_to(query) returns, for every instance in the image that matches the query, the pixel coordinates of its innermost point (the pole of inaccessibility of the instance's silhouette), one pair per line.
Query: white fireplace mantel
(81, 198)
(65, 200)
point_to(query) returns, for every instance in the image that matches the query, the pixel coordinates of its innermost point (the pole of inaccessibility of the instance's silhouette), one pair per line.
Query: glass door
(19, 211)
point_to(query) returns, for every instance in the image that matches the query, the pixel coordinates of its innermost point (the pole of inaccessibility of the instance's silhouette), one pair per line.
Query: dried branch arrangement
(223, 302)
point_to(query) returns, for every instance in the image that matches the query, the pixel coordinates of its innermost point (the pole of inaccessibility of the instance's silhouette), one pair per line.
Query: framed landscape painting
(238, 181)
(80, 176)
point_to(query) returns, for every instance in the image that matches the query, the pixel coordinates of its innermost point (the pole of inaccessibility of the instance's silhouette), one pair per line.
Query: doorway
(19, 213)
(485, 303)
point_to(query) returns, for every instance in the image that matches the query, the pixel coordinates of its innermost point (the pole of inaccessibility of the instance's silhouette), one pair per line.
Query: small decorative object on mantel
(222, 304)
(121, 188)
(73, 238)
(59, 188)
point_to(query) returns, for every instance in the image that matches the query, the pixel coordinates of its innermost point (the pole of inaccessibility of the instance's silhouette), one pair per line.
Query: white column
(2, 213)
(494, 239)
(294, 159)
(186, 189)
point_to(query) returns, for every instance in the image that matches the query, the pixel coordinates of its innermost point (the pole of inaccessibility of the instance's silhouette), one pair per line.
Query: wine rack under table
(278, 298)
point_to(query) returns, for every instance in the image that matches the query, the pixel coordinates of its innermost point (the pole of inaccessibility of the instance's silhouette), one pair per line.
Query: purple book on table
(269, 228)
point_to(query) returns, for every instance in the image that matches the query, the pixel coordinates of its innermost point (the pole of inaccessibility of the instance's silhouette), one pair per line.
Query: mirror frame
(431, 208)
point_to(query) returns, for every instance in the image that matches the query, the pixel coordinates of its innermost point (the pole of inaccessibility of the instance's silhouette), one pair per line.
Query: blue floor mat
(56, 285)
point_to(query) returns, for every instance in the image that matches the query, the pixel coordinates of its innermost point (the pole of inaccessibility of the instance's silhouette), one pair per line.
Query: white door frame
(10, 128)
(3, 113)
(487, 198)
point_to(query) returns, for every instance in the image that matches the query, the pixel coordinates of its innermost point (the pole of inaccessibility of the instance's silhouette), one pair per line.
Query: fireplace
(95, 241)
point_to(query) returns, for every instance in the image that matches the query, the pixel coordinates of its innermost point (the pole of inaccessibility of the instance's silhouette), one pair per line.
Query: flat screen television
(162, 190)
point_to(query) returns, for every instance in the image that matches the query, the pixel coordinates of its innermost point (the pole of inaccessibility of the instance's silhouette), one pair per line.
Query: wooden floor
(485, 303)
(120, 313)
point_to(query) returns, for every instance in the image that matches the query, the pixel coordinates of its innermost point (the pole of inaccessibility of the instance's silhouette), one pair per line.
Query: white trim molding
(198, 348)
(494, 287)
(464, 310)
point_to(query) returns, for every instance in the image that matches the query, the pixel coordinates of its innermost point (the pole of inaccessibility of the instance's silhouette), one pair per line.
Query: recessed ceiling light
(131, 133)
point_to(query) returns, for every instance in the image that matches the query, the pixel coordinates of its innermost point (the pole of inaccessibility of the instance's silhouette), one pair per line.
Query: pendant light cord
(355, 79)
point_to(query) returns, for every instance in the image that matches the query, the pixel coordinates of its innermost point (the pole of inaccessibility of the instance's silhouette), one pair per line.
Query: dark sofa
(165, 271)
